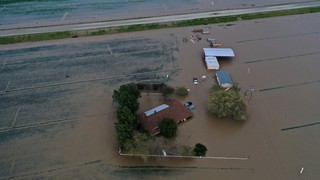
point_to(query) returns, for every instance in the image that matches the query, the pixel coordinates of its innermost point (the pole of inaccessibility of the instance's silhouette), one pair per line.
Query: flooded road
(24, 13)
(57, 118)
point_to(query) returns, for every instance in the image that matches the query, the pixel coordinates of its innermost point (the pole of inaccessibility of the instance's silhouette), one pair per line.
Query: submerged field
(46, 91)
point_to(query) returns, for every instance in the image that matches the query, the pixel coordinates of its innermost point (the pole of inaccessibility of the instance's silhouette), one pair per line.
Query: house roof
(218, 52)
(175, 111)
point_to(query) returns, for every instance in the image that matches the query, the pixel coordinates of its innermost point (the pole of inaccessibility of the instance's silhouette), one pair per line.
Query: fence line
(187, 157)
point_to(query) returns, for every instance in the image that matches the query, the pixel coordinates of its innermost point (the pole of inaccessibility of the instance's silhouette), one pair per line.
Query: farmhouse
(150, 120)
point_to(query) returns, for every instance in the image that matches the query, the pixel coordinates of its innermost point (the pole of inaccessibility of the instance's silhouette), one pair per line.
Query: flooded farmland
(56, 112)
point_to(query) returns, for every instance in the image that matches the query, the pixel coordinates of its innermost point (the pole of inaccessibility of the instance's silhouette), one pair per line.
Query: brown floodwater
(277, 57)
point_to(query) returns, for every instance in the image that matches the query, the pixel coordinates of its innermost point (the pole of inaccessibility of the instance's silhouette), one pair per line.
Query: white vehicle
(211, 40)
(195, 81)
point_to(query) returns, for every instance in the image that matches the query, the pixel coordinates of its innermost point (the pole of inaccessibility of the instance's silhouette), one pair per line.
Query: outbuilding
(218, 52)
(211, 54)
(212, 63)
(224, 79)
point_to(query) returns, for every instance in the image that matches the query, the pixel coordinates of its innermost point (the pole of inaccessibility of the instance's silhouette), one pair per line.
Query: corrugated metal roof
(156, 109)
(224, 78)
(218, 52)
(212, 62)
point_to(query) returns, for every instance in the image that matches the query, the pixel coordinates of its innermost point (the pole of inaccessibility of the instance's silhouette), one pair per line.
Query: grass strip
(142, 27)
(36, 37)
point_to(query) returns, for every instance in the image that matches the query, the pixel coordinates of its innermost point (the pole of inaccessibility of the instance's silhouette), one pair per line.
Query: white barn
(211, 54)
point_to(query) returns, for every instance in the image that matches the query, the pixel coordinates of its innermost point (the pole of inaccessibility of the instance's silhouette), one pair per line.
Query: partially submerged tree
(199, 150)
(182, 91)
(124, 133)
(125, 115)
(138, 144)
(127, 99)
(227, 104)
(167, 90)
(168, 127)
(127, 95)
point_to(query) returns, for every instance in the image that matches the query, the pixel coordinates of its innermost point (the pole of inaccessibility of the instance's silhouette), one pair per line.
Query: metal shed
(212, 63)
(224, 79)
(218, 52)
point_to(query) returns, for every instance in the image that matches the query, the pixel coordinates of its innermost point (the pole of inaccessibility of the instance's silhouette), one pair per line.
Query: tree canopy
(168, 127)
(167, 90)
(125, 116)
(182, 91)
(200, 150)
(127, 99)
(124, 133)
(227, 104)
(127, 95)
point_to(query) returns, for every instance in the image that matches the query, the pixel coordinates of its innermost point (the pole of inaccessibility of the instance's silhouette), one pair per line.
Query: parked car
(199, 37)
(213, 40)
(197, 30)
(186, 104)
(191, 107)
(195, 81)
(213, 45)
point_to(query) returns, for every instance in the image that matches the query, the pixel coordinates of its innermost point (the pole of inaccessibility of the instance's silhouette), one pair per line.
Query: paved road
(161, 19)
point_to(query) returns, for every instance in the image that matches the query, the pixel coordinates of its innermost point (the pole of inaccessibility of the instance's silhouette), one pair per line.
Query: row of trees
(127, 99)
(180, 91)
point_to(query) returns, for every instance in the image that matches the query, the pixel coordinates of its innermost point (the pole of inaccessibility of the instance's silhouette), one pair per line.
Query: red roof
(175, 111)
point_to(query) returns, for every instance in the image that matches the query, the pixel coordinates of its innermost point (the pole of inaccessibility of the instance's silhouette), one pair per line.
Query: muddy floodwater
(19, 13)
(57, 116)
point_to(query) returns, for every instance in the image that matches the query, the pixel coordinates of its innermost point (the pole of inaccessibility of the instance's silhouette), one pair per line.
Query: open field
(56, 110)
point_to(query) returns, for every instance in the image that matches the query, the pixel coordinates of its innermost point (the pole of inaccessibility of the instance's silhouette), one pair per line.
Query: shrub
(199, 150)
(168, 127)
(167, 91)
(182, 91)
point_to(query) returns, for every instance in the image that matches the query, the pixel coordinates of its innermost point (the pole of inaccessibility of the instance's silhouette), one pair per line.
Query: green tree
(125, 115)
(127, 95)
(227, 104)
(167, 91)
(182, 91)
(168, 127)
(139, 145)
(124, 133)
(199, 150)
